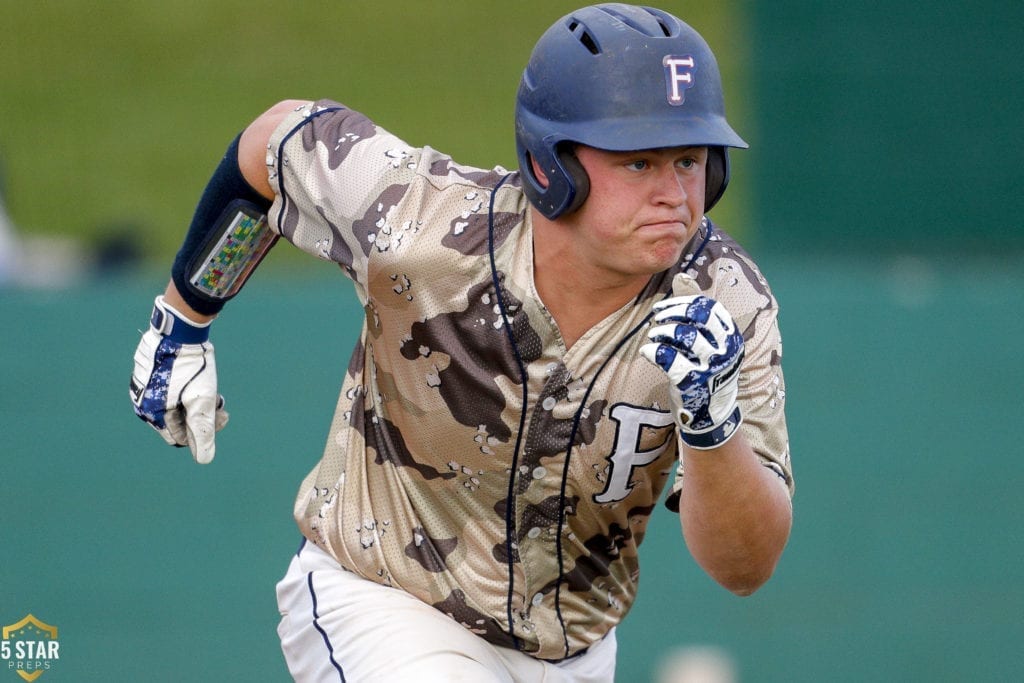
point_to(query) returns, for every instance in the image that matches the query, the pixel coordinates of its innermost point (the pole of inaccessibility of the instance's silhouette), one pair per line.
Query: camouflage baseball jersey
(473, 461)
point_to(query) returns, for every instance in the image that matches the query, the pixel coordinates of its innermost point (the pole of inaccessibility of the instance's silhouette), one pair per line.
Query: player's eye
(637, 165)
(688, 162)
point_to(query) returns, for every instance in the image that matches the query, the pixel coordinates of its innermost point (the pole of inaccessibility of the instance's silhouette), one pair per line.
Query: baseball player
(543, 351)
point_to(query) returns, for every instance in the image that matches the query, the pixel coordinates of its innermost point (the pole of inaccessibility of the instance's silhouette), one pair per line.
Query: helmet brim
(650, 133)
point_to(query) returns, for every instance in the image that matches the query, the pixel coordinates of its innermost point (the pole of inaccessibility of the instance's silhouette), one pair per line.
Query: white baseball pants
(337, 626)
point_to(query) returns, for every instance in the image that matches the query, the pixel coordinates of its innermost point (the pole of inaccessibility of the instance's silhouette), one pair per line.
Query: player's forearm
(735, 514)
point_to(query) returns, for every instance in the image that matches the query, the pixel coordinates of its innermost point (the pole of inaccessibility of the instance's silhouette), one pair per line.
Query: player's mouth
(665, 227)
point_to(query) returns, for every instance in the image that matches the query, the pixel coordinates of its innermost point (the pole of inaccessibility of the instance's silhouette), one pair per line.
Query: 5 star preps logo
(29, 648)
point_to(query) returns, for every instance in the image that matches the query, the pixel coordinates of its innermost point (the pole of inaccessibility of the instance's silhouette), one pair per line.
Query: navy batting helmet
(617, 77)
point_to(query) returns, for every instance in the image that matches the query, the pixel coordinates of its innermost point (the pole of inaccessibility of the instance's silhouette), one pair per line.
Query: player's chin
(664, 252)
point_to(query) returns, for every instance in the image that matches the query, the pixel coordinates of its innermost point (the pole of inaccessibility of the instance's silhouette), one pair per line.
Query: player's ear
(538, 172)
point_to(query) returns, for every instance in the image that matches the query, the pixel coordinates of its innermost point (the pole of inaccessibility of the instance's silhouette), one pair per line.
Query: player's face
(643, 207)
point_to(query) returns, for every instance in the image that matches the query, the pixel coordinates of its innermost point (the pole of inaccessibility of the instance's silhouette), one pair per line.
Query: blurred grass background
(114, 113)
(881, 196)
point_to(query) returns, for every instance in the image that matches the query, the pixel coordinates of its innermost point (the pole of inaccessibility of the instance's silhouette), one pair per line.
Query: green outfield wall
(904, 564)
(885, 126)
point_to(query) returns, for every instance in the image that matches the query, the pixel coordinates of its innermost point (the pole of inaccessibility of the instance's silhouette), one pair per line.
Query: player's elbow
(745, 584)
(742, 570)
(253, 144)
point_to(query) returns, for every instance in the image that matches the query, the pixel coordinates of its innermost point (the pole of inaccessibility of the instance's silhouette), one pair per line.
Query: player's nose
(670, 187)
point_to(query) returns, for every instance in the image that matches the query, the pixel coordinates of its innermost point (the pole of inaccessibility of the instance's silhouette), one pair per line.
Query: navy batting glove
(174, 384)
(695, 341)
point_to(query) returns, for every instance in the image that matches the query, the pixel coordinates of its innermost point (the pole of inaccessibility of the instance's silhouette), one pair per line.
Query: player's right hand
(174, 384)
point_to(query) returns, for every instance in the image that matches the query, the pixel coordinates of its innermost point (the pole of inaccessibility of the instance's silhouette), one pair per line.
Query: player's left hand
(174, 384)
(696, 342)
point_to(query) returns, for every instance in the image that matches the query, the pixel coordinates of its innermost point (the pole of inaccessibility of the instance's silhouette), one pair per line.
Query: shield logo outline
(43, 627)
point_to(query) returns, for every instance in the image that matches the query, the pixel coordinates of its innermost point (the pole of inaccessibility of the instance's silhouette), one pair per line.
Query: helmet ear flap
(577, 177)
(716, 175)
(567, 182)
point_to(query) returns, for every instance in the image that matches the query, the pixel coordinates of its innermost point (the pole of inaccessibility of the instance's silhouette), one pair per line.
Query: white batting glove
(695, 341)
(174, 384)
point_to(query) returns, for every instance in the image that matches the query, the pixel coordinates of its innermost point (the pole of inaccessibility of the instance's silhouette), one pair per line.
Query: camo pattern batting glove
(696, 342)
(174, 384)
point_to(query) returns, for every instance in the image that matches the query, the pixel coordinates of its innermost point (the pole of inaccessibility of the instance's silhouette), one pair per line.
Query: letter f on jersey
(626, 454)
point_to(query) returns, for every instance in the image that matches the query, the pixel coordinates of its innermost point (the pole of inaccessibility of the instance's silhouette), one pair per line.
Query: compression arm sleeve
(227, 239)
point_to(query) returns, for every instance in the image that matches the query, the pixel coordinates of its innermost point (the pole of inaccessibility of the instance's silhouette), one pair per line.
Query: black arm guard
(227, 239)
